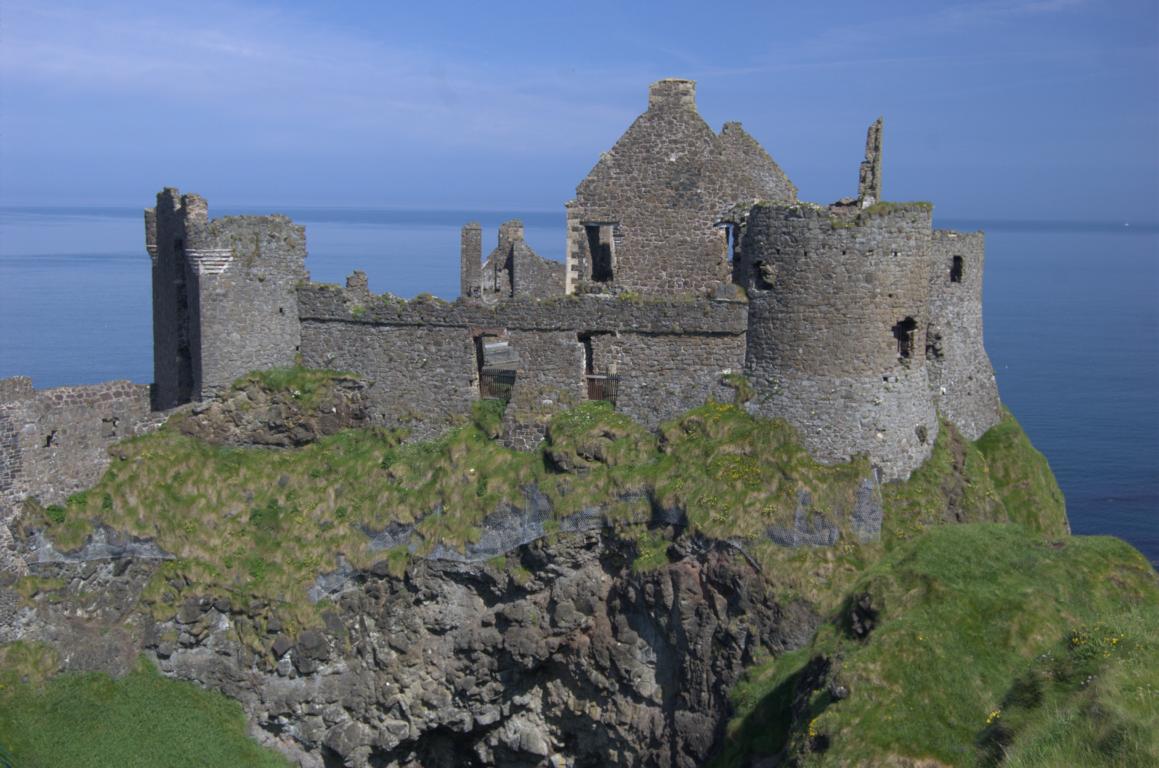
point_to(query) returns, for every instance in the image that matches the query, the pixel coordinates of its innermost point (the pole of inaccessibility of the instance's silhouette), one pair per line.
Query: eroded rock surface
(256, 415)
(557, 655)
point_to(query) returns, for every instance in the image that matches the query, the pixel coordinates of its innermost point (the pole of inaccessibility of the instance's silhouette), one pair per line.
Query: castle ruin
(689, 258)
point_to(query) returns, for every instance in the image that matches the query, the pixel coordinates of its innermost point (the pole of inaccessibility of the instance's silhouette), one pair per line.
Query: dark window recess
(600, 248)
(589, 355)
(764, 274)
(599, 386)
(183, 359)
(956, 270)
(904, 333)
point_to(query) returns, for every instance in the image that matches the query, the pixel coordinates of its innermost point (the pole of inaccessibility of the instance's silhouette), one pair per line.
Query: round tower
(837, 321)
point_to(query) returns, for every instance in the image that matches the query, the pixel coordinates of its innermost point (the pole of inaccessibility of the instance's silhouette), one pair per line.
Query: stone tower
(224, 296)
(837, 329)
(961, 377)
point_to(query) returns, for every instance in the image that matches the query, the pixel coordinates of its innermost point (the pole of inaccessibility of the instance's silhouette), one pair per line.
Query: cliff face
(559, 654)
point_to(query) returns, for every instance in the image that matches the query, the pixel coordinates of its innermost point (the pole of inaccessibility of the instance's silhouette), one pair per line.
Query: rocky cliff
(558, 654)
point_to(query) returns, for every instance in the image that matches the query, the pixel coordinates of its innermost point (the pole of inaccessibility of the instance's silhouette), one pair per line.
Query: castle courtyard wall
(54, 442)
(421, 355)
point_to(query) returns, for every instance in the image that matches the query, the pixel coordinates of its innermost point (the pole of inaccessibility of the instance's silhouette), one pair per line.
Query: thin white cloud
(275, 67)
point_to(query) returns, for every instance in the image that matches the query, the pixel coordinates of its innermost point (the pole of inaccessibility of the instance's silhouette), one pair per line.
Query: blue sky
(1017, 109)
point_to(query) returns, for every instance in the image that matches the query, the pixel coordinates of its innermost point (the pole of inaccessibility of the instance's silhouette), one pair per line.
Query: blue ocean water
(1071, 313)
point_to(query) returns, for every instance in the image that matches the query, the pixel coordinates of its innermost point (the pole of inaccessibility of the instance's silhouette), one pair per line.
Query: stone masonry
(689, 257)
(224, 300)
(961, 376)
(836, 336)
(54, 442)
(512, 270)
(653, 216)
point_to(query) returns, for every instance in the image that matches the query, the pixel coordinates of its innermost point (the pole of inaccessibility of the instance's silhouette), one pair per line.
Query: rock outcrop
(559, 654)
(253, 414)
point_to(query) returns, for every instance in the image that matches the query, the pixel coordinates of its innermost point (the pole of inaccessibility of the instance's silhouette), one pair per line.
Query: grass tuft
(139, 721)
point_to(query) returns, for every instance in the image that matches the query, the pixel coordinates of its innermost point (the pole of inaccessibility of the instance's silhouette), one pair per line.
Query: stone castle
(689, 262)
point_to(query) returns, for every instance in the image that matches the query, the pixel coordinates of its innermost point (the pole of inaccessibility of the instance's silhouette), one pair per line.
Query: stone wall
(841, 293)
(422, 354)
(653, 201)
(663, 375)
(15, 388)
(54, 442)
(322, 303)
(247, 271)
(419, 374)
(961, 377)
(470, 260)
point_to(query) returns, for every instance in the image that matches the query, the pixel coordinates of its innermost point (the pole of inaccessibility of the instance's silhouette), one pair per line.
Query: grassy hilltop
(975, 631)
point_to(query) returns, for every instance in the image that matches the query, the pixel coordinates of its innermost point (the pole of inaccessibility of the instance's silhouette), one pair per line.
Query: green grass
(990, 642)
(1022, 479)
(143, 719)
(307, 385)
(247, 522)
(1000, 478)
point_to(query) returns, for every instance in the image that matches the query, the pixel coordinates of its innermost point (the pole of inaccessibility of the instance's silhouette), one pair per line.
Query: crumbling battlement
(319, 302)
(15, 388)
(513, 270)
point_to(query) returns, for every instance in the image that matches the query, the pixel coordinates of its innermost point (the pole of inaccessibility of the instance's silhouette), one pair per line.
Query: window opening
(496, 362)
(589, 359)
(904, 333)
(765, 274)
(956, 270)
(183, 359)
(600, 247)
(600, 386)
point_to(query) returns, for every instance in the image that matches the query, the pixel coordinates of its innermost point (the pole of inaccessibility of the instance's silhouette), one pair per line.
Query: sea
(1071, 319)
